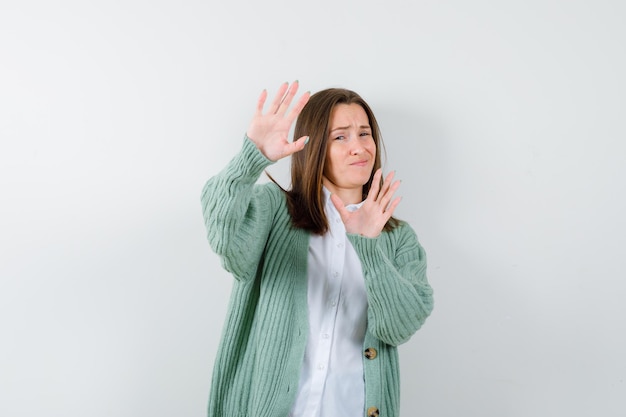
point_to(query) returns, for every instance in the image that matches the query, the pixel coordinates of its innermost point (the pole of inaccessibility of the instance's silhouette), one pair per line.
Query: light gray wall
(504, 119)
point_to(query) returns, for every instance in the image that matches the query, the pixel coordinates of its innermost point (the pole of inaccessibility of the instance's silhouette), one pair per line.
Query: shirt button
(335, 274)
(320, 367)
(370, 353)
(325, 335)
(333, 303)
(340, 245)
(372, 412)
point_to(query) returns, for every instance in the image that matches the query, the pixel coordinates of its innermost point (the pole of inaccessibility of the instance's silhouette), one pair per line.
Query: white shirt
(331, 379)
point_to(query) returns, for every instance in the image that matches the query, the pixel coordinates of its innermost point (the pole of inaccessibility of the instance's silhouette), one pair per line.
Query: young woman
(327, 282)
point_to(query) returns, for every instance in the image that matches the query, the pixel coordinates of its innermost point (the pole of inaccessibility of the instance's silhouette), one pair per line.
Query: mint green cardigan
(256, 371)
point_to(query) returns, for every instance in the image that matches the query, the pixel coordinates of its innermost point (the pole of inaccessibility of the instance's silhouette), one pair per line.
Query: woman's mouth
(360, 163)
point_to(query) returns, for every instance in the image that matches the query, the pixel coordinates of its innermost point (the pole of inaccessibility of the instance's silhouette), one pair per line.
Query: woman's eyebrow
(346, 127)
(339, 128)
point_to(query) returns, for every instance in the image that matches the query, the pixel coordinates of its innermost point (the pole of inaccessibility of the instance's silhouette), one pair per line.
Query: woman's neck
(347, 195)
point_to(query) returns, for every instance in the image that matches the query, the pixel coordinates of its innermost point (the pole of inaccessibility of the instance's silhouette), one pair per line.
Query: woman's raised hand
(370, 219)
(270, 131)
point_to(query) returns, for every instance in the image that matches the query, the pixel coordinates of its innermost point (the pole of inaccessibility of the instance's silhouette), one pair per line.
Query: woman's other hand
(370, 219)
(270, 131)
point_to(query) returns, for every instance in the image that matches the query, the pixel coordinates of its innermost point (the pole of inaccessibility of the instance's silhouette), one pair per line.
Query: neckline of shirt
(330, 206)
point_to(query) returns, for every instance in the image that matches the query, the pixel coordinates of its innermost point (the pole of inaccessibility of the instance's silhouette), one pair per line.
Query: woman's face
(350, 154)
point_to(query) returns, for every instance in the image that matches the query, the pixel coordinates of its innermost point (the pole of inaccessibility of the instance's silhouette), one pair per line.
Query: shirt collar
(329, 204)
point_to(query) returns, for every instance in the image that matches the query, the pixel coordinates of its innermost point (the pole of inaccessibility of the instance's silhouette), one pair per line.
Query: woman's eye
(340, 138)
(365, 133)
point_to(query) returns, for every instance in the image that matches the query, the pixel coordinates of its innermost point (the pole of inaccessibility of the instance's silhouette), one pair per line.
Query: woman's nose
(356, 149)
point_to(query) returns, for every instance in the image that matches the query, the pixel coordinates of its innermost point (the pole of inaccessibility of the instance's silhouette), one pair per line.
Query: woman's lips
(360, 163)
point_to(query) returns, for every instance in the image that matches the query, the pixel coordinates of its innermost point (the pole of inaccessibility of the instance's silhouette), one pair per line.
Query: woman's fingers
(297, 108)
(380, 204)
(386, 184)
(261, 103)
(389, 189)
(283, 100)
(382, 194)
(338, 203)
(286, 101)
(385, 201)
(295, 146)
(372, 195)
(278, 99)
(392, 206)
(269, 128)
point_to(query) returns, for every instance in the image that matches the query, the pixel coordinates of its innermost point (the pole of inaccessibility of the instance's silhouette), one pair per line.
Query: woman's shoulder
(401, 226)
(273, 194)
(401, 233)
(271, 189)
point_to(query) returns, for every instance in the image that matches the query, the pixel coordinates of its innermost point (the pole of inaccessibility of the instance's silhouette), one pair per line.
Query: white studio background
(505, 121)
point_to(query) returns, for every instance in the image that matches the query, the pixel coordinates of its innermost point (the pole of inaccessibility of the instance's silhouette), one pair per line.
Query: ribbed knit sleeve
(238, 213)
(398, 293)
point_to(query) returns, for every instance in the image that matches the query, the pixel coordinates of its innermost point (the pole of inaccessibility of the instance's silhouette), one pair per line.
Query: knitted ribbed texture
(256, 372)
(398, 294)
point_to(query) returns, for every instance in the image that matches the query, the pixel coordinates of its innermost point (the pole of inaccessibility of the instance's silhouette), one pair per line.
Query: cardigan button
(370, 353)
(372, 412)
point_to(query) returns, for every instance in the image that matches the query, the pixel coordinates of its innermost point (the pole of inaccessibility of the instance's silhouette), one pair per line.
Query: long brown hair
(305, 199)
